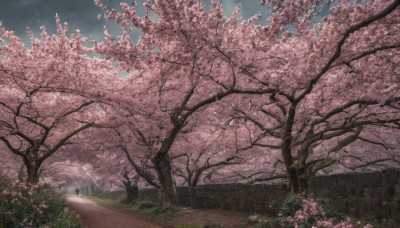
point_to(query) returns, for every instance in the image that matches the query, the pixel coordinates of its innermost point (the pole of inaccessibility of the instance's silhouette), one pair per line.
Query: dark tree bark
(166, 192)
(31, 157)
(131, 189)
(21, 176)
(193, 196)
(33, 176)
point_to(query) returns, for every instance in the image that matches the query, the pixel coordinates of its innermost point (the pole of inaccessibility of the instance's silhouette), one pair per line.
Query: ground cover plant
(24, 205)
(145, 209)
(308, 211)
(177, 216)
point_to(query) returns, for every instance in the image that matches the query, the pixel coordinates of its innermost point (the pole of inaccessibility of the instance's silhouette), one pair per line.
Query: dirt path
(94, 216)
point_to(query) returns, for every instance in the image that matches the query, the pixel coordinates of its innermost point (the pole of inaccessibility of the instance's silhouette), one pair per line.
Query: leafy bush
(295, 202)
(146, 204)
(66, 220)
(291, 204)
(30, 206)
(313, 215)
(265, 223)
(306, 211)
(122, 200)
(165, 210)
(331, 211)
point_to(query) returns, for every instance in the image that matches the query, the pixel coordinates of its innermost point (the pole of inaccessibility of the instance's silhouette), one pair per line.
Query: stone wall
(258, 198)
(369, 195)
(242, 197)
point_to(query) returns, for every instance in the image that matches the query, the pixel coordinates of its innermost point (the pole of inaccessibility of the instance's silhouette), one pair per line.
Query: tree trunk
(293, 180)
(166, 193)
(297, 180)
(32, 175)
(131, 193)
(21, 176)
(193, 196)
(296, 184)
(131, 189)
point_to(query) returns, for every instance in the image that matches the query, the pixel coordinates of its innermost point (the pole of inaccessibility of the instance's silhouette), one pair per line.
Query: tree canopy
(211, 98)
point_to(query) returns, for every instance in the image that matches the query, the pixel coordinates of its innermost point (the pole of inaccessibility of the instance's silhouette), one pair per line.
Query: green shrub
(306, 211)
(66, 220)
(29, 206)
(312, 213)
(331, 211)
(122, 200)
(146, 204)
(165, 210)
(294, 202)
(212, 225)
(266, 223)
(291, 204)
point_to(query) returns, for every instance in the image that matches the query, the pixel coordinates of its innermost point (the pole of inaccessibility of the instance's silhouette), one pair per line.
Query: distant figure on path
(77, 192)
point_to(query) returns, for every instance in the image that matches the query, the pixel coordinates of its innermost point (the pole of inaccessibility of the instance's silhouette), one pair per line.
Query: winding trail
(93, 215)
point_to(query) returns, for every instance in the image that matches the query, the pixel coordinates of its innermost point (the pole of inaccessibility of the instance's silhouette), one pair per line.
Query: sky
(17, 15)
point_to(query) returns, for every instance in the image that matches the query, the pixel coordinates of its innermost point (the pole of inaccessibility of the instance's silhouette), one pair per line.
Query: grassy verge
(144, 209)
(108, 203)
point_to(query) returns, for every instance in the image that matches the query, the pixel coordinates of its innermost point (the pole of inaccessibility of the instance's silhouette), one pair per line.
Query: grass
(162, 215)
(67, 220)
(207, 225)
(151, 211)
(144, 209)
(107, 203)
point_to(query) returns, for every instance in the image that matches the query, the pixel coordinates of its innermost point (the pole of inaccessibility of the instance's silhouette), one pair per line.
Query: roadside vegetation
(148, 210)
(40, 206)
(298, 210)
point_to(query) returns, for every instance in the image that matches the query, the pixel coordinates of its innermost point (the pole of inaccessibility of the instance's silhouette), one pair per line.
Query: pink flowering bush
(29, 205)
(306, 211)
(295, 203)
(311, 211)
(313, 215)
(303, 211)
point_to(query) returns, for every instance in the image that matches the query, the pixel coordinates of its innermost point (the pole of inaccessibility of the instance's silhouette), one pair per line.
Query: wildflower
(15, 183)
(43, 205)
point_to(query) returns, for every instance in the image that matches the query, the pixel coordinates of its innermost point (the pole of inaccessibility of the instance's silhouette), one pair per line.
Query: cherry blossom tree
(204, 149)
(184, 61)
(10, 164)
(328, 81)
(46, 97)
(335, 84)
(131, 187)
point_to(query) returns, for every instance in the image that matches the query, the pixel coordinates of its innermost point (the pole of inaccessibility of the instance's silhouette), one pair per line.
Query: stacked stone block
(372, 195)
